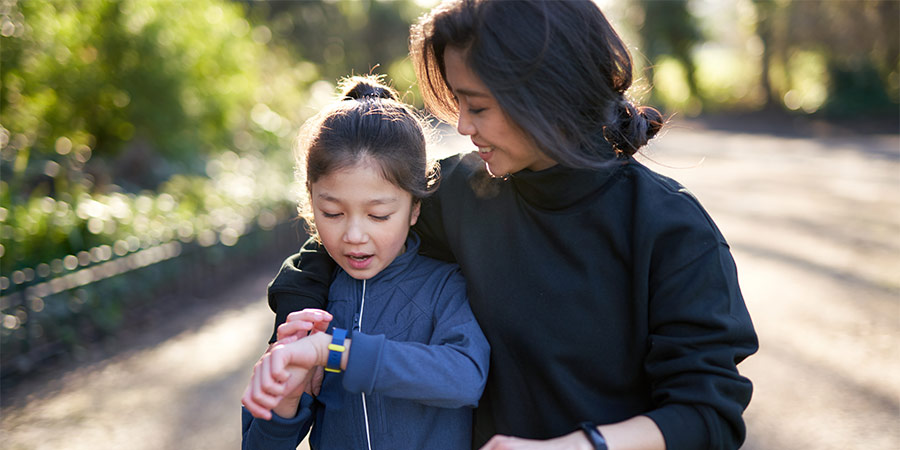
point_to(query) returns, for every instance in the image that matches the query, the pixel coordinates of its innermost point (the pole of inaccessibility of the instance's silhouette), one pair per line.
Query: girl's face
(362, 219)
(503, 146)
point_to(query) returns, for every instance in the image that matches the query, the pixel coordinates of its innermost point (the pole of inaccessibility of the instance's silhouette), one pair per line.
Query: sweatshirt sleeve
(699, 331)
(430, 224)
(450, 371)
(278, 433)
(302, 282)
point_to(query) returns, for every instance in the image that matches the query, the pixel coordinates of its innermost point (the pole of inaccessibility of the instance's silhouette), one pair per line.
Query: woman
(609, 297)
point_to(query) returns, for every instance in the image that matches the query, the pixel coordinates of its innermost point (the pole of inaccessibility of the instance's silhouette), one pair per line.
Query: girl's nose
(355, 234)
(464, 124)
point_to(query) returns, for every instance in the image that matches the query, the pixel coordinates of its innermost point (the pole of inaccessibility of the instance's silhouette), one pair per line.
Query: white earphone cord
(365, 412)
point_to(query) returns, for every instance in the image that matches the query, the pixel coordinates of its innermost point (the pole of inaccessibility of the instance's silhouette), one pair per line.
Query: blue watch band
(336, 350)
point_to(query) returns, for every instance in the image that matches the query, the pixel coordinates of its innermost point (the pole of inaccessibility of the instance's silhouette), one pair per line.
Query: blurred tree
(669, 29)
(127, 92)
(851, 48)
(345, 36)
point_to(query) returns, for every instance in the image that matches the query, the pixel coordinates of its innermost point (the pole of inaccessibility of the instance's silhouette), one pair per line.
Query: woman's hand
(571, 441)
(636, 433)
(299, 324)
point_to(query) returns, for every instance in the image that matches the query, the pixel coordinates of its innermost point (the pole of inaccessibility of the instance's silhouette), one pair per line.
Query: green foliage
(102, 86)
(127, 129)
(346, 36)
(237, 192)
(74, 265)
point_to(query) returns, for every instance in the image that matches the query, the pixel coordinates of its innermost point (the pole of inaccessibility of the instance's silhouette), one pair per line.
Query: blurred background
(147, 197)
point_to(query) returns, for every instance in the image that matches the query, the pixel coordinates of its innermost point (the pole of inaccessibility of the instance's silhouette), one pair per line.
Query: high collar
(399, 265)
(559, 188)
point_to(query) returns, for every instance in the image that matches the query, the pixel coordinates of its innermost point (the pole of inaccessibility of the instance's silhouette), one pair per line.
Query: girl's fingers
(279, 361)
(256, 400)
(321, 326)
(294, 328)
(255, 409)
(310, 314)
(268, 383)
(318, 374)
(302, 323)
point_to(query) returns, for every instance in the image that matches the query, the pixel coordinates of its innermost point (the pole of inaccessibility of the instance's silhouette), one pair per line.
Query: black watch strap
(593, 435)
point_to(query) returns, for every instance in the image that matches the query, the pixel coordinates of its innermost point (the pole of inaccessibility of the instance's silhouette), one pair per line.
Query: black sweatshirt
(604, 294)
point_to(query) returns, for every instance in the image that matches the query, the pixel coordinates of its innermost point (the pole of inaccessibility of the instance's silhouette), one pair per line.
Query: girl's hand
(280, 378)
(572, 441)
(265, 393)
(313, 383)
(302, 323)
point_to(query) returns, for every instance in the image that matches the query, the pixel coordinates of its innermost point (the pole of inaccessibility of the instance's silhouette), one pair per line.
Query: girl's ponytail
(367, 88)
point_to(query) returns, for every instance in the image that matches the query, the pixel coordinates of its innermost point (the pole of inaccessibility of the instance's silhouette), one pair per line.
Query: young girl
(405, 359)
(608, 295)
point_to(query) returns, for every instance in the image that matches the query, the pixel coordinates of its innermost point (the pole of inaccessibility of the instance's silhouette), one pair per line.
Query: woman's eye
(476, 110)
(329, 215)
(380, 218)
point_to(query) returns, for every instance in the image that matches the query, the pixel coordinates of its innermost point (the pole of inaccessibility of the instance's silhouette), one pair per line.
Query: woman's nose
(464, 124)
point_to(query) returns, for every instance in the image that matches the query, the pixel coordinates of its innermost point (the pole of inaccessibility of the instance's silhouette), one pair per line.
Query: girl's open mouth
(359, 261)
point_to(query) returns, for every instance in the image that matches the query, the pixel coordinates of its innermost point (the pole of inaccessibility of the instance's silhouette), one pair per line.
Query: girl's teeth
(484, 149)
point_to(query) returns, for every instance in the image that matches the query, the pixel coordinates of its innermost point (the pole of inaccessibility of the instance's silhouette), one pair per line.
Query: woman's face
(503, 146)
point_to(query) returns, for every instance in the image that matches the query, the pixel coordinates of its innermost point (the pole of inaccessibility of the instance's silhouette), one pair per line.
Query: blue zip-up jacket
(419, 361)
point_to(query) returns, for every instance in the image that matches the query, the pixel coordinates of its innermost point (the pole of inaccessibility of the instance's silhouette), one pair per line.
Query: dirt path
(815, 229)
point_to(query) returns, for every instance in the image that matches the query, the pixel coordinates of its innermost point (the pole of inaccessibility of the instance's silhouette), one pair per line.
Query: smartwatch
(336, 350)
(593, 435)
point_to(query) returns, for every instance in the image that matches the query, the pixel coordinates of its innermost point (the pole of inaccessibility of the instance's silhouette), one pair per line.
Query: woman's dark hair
(368, 122)
(556, 68)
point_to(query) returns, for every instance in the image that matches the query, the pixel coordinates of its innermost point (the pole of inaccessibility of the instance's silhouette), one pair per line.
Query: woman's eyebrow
(471, 93)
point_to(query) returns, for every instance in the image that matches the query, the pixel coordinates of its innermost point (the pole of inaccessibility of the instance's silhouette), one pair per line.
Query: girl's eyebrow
(383, 200)
(374, 201)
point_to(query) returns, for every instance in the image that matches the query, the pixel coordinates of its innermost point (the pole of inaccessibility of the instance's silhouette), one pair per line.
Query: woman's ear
(414, 213)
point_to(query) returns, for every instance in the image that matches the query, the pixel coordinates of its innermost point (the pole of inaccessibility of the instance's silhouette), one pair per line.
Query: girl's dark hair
(557, 69)
(368, 122)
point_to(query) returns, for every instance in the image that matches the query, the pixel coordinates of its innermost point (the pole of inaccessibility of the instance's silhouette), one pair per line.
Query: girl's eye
(380, 218)
(329, 215)
(476, 110)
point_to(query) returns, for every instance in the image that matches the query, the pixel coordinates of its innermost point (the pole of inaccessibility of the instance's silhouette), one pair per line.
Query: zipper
(358, 327)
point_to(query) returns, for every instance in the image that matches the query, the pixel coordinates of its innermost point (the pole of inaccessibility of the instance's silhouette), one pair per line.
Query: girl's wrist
(287, 408)
(321, 342)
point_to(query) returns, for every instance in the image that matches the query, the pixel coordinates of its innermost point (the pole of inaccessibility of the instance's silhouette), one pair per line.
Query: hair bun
(632, 126)
(369, 87)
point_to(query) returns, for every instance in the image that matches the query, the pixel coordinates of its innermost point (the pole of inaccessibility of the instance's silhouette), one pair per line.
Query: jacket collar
(399, 265)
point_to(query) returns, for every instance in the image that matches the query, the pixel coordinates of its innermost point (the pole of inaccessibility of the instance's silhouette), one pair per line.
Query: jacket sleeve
(278, 433)
(699, 331)
(302, 282)
(450, 371)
